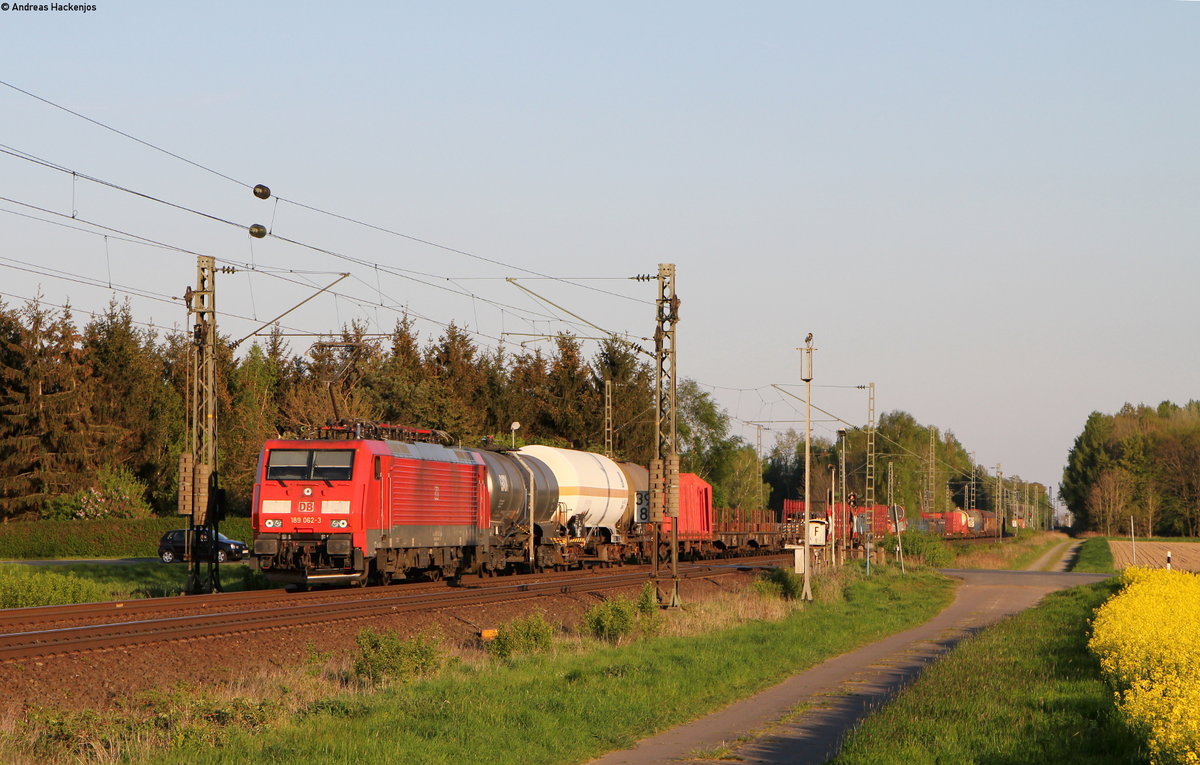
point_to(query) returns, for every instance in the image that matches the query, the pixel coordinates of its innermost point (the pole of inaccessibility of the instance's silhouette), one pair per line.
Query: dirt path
(803, 719)
(1057, 558)
(1185, 556)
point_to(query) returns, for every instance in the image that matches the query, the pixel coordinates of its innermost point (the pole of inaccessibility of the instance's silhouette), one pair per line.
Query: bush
(929, 547)
(780, 583)
(649, 615)
(387, 656)
(21, 587)
(111, 538)
(119, 495)
(533, 634)
(647, 602)
(612, 619)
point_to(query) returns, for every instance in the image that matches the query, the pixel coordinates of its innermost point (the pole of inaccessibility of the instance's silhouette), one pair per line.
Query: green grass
(1011, 554)
(22, 585)
(116, 538)
(1027, 690)
(1035, 550)
(1095, 557)
(567, 707)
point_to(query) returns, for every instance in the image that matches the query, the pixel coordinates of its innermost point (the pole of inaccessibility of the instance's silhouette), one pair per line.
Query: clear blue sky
(988, 209)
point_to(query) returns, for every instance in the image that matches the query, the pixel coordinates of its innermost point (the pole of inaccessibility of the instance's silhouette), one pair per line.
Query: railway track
(56, 630)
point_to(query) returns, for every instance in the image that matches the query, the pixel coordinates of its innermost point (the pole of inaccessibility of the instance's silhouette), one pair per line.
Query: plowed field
(1185, 556)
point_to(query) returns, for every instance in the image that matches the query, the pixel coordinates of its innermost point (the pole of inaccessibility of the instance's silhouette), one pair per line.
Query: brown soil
(1185, 556)
(107, 679)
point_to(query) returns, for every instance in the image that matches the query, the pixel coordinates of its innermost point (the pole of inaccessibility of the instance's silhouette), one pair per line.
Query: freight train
(960, 523)
(391, 504)
(856, 523)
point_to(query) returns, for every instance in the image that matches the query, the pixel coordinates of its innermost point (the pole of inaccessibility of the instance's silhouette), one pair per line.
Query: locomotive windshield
(310, 464)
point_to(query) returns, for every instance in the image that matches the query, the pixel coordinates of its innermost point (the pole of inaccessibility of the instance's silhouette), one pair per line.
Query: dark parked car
(172, 546)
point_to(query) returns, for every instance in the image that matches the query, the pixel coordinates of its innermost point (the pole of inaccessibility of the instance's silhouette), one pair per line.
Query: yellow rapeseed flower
(1147, 640)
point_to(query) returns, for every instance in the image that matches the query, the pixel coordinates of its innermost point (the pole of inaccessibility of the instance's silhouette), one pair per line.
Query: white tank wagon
(593, 491)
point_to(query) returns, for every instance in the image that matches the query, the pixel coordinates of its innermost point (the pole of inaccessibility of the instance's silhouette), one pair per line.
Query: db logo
(306, 507)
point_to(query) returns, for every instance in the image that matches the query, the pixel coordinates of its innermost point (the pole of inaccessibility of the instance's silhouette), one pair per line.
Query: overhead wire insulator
(262, 192)
(258, 231)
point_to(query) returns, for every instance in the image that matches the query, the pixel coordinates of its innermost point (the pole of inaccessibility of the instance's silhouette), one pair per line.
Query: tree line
(93, 417)
(97, 414)
(1142, 463)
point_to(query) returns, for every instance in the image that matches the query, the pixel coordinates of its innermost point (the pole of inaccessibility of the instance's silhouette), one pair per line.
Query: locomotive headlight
(273, 523)
(339, 524)
(308, 491)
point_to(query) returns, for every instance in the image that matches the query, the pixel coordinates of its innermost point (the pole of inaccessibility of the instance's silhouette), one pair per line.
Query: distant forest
(93, 418)
(1142, 463)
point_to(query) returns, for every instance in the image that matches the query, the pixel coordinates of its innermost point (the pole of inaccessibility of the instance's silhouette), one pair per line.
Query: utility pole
(971, 498)
(806, 375)
(999, 503)
(870, 482)
(762, 505)
(931, 477)
(845, 508)
(870, 487)
(664, 470)
(199, 488)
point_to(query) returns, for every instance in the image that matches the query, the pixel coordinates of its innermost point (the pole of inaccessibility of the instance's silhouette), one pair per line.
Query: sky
(987, 209)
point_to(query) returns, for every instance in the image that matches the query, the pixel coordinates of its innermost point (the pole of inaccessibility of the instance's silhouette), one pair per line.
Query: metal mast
(870, 488)
(198, 484)
(972, 499)
(806, 374)
(664, 470)
(999, 503)
(931, 478)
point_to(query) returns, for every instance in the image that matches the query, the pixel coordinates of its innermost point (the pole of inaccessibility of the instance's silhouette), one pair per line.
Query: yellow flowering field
(1147, 638)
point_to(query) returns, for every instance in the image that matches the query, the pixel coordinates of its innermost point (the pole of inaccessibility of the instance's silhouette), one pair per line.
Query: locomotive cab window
(288, 465)
(310, 465)
(332, 465)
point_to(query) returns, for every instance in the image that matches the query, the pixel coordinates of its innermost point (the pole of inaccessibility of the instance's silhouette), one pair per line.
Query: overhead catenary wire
(270, 271)
(135, 238)
(313, 208)
(403, 273)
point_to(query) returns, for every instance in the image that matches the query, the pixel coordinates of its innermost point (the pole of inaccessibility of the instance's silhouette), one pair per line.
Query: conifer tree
(134, 396)
(52, 442)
